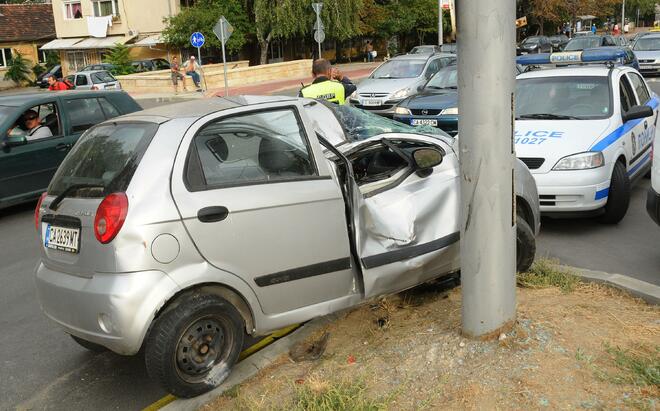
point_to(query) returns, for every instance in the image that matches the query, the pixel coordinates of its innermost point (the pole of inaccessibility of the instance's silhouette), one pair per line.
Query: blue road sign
(197, 39)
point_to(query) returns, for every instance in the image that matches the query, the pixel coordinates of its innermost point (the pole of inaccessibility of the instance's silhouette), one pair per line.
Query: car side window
(81, 80)
(627, 96)
(84, 113)
(640, 88)
(252, 148)
(47, 123)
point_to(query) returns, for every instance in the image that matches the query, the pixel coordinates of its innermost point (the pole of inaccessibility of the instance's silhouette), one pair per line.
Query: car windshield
(447, 78)
(582, 43)
(531, 40)
(400, 69)
(647, 44)
(102, 77)
(563, 98)
(105, 157)
(423, 50)
(361, 125)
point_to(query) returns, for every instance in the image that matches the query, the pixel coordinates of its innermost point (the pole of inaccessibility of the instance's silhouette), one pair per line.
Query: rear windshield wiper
(53, 206)
(547, 116)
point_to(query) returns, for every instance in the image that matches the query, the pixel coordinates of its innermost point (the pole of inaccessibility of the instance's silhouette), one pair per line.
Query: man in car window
(329, 84)
(35, 130)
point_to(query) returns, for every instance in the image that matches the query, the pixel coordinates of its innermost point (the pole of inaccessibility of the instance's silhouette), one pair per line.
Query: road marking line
(264, 342)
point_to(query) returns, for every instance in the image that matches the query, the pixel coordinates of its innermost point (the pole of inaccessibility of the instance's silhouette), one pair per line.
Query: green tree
(52, 59)
(119, 57)
(202, 17)
(18, 69)
(279, 19)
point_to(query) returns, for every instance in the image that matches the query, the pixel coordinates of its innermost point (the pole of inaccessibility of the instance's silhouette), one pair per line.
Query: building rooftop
(26, 22)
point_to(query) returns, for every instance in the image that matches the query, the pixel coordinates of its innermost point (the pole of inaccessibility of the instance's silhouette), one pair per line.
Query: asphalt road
(42, 368)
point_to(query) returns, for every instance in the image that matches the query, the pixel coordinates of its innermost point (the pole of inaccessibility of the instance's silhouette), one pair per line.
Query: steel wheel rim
(203, 345)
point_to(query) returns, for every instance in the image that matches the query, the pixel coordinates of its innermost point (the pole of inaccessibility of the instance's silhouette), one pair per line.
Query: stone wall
(239, 73)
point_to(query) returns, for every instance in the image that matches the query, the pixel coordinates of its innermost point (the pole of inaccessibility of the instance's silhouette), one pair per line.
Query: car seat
(384, 161)
(51, 122)
(277, 158)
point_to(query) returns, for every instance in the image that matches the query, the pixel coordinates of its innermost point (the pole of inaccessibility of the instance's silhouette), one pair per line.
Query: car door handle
(62, 147)
(212, 214)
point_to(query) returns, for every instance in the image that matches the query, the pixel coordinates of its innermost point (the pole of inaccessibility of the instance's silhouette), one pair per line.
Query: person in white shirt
(35, 130)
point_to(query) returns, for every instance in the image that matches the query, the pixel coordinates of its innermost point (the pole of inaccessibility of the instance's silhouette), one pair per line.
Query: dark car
(150, 65)
(589, 42)
(436, 105)
(535, 44)
(558, 42)
(42, 79)
(28, 163)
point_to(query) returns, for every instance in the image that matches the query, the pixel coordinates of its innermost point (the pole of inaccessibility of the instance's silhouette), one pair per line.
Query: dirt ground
(591, 348)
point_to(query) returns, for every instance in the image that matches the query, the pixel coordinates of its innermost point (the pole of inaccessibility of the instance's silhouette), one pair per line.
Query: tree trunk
(263, 46)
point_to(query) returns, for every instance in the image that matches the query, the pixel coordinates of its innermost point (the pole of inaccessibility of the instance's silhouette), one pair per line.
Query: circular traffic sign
(197, 39)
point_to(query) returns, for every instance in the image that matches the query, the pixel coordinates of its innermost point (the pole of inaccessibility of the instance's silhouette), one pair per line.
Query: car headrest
(275, 156)
(50, 120)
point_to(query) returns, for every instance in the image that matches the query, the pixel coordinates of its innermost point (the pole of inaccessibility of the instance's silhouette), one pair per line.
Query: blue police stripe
(639, 164)
(622, 130)
(602, 193)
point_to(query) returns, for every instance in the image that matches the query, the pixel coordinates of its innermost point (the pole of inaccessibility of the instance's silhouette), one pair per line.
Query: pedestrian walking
(369, 48)
(329, 84)
(593, 28)
(56, 85)
(192, 67)
(615, 30)
(626, 28)
(175, 70)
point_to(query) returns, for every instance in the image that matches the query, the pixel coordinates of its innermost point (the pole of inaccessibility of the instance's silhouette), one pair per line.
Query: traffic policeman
(329, 84)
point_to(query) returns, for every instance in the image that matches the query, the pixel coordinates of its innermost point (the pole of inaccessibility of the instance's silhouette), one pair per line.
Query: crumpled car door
(407, 229)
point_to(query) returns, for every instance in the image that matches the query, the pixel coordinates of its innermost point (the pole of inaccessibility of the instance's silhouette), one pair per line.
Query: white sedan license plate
(62, 238)
(371, 102)
(424, 122)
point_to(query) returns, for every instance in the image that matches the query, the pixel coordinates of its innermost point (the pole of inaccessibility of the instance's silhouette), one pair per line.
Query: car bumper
(447, 123)
(653, 205)
(113, 310)
(572, 191)
(649, 68)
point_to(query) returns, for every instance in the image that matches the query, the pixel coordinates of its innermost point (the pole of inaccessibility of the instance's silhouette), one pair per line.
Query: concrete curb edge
(250, 366)
(646, 291)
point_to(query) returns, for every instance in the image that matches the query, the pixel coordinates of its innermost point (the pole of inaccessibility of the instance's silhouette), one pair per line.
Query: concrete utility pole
(440, 22)
(486, 96)
(623, 14)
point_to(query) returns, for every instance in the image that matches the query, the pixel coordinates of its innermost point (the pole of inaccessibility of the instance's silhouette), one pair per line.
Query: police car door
(644, 132)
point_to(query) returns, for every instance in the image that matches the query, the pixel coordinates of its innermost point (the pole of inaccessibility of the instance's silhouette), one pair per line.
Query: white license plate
(424, 122)
(371, 102)
(61, 238)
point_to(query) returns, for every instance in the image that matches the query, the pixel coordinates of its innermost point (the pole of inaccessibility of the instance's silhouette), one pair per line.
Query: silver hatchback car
(183, 228)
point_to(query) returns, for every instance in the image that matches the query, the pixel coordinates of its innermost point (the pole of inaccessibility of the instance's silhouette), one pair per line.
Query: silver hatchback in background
(396, 79)
(183, 228)
(95, 80)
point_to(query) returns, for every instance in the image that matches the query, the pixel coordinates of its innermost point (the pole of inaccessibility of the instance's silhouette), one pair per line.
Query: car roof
(652, 35)
(589, 70)
(202, 107)
(421, 56)
(20, 99)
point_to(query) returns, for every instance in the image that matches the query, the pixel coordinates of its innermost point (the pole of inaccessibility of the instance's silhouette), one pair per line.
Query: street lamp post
(440, 39)
(623, 14)
(486, 152)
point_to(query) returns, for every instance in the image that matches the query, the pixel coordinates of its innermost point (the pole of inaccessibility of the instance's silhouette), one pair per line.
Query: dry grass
(546, 273)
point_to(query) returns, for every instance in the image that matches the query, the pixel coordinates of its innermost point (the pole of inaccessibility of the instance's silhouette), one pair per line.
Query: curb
(646, 291)
(252, 365)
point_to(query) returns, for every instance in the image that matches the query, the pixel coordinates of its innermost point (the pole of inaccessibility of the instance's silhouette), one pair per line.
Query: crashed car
(184, 228)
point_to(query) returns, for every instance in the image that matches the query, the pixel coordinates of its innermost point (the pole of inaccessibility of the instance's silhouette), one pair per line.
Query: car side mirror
(10, 142)
(425, 159)
(635, 112)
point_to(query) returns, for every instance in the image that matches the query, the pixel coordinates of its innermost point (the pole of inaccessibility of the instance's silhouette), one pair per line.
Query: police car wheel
(619, 196)
(525, 245)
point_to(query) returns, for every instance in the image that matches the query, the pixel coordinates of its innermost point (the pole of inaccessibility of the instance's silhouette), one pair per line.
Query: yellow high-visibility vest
(330, 90)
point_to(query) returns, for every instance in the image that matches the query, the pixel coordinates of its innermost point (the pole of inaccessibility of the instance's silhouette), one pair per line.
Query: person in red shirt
(55, 85)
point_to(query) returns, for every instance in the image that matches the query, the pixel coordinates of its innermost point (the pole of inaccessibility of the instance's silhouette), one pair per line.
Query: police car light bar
(593, 55)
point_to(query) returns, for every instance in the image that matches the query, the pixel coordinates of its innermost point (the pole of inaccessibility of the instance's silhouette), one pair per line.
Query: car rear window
(102, 77)
(105, 158)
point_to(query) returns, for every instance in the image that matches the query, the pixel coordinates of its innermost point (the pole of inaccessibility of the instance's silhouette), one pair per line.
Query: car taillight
(36, 210)
(110, 217)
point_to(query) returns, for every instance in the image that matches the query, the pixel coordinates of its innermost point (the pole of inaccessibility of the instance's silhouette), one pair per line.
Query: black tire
(89, 345)
(619, 196)
(192, 347)
(525, 245)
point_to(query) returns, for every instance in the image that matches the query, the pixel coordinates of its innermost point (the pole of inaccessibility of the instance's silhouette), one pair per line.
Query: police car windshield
(400, 69)
(581, 43)
(447, 78)
(563, 98)
(647, 44)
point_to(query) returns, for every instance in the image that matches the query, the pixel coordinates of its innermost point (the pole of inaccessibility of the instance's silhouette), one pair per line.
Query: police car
(585, 131)
(653, 199)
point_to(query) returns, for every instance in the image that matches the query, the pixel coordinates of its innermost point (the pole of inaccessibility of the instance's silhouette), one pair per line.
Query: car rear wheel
(192, 347)
(89, 345)
(525, 245)
(618, 197)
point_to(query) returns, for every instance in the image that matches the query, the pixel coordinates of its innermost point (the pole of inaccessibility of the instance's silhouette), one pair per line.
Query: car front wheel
(618, 197)
(192, 347)
(525, 245)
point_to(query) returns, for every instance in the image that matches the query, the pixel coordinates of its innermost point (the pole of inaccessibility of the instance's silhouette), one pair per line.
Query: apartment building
(86, 29)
